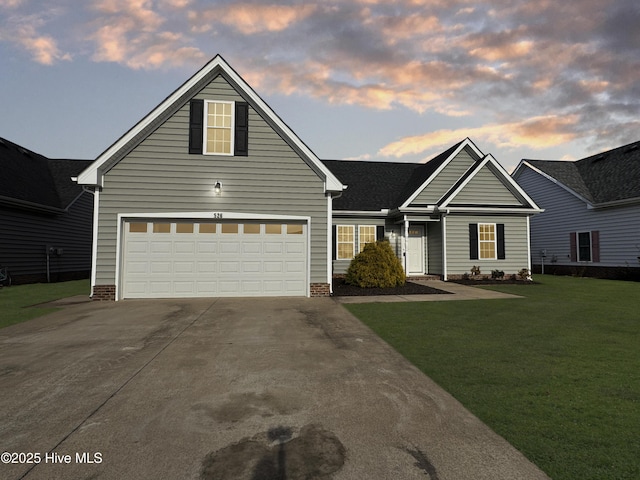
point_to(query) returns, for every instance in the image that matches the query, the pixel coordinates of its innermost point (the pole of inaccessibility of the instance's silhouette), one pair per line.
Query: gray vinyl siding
(564, 213)
(340, 266)
(434, 248)
(25, 235)
(485, 189)
(159, 175)
(443, 182)
(458, 261)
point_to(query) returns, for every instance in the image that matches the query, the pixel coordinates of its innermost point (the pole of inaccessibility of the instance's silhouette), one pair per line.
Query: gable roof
(376, 186)
(31, 180)
(217, 66)
(608, 177)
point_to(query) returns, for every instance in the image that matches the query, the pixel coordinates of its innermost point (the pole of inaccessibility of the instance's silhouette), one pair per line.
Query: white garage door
(166, 259)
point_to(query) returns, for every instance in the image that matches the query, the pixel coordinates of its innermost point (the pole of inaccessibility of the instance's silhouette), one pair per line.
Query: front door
(415, 250)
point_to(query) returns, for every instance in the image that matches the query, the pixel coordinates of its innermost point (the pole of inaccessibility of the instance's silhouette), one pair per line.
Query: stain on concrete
(243, 405)
(281, 453)
(423, 463)
(326, 326)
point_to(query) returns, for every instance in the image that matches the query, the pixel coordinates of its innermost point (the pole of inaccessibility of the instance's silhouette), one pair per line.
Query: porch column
(406, 245)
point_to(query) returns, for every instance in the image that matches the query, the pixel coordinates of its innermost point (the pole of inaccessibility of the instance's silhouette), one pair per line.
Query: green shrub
(376, 266)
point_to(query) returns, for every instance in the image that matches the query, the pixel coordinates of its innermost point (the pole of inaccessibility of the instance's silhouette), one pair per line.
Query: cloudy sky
(392, 80)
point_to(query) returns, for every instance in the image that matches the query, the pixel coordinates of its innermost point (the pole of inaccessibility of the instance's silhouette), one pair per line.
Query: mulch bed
(341, 289)
(493, 281)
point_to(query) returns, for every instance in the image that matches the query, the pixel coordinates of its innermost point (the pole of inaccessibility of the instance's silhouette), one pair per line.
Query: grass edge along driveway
(18, 303)
(556, 373)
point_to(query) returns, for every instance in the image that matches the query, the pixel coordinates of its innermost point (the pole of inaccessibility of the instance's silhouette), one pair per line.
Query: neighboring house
(212, 194)
(45, 217)
(591, 223)
(443, 217)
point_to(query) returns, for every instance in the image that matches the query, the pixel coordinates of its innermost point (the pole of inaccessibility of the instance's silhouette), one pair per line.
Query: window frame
(206, 127)
(579, 246)
(352, 242)
(360, 244)
(493, 242)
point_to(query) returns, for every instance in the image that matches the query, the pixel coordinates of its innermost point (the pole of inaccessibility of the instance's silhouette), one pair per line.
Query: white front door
(415, 250)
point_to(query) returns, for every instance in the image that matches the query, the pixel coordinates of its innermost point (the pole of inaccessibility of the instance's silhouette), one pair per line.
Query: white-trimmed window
(345, 242)
(487, 241)
(366, 234)
(218, 137)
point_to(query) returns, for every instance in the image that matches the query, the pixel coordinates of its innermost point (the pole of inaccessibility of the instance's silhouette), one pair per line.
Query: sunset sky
(392, 80)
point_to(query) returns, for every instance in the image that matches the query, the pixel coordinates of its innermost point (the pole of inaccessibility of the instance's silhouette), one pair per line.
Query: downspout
(330, 239)
(94, 240)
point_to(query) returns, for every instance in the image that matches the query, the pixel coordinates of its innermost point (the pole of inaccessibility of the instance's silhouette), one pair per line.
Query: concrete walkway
(457, 292)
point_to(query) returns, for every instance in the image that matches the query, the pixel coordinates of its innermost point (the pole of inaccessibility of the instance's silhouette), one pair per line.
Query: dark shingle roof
(33, 178)
(373, 186)
(609, 176)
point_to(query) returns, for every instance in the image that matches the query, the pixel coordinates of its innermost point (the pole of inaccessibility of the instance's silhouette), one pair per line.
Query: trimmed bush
(376, 266)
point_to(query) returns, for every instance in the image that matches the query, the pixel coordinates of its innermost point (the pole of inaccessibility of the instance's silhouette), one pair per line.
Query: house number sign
(217, 215)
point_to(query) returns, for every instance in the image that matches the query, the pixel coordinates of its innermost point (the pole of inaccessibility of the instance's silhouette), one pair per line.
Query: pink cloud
(536, 133)
(250, 19)
(24, 31)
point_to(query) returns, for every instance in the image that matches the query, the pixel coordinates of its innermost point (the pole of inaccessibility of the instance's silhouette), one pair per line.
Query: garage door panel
(252, 248)
(189, 262)
(227, 248)
(251, 267)
(294, 267)
(137, 288)
(294, 248)
(251, 287)
(230, 267)
(137, 247)
(183, 288)
(138, 268)
(207, 267)
(156, 246)
(182, 248)
(156, 267)
(273, 286)
(184, 267)
(207, 247)
(229, 287)
(294, 287)
(273, 267)
(207, 288)
(160, 288)
(273, 247)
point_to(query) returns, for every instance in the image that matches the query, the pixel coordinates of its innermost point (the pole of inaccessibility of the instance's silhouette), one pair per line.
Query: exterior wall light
(217, 188)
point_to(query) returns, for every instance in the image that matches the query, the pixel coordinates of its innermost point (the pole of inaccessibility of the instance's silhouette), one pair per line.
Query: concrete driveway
(253, 389)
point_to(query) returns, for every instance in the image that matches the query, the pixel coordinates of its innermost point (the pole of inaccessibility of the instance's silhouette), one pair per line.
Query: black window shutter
(500, 239)
(595, 246)
(573, 246)
(335, 242)
(242, 129)
(473, 241)
(196, 126)
(380, 232)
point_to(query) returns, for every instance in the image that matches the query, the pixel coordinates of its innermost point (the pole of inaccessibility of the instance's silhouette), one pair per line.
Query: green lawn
(16, 301)
(556, 373)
